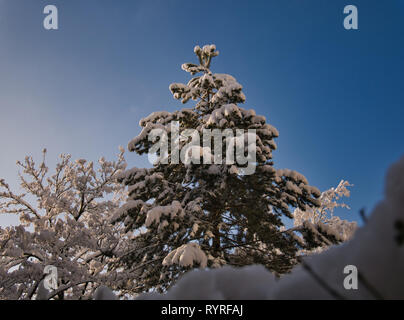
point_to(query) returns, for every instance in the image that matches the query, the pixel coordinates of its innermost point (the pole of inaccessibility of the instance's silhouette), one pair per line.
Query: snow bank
(374, 250)
(104, 293)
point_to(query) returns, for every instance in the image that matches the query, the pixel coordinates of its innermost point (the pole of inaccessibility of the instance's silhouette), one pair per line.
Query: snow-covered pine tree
(210, 214)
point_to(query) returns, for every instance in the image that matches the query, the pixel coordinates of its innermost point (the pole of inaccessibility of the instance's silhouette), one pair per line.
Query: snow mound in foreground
(104, 293)
(375, 250)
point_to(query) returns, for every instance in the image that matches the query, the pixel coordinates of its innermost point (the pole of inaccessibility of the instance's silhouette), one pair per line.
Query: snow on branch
(186, 256)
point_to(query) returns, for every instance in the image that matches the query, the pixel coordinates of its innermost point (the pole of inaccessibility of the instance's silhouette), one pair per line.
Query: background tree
(319, 225)
(65, 223)
(316, 228)
(209, 214)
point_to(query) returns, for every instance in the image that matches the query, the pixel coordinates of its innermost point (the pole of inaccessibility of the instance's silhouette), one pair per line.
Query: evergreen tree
(209, 215)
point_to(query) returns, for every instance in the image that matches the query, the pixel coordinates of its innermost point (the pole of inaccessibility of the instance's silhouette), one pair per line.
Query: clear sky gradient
(336, 96)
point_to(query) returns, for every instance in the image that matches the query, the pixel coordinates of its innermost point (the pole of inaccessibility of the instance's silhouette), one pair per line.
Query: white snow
(186, 256)
(154, 215)
(104, 293)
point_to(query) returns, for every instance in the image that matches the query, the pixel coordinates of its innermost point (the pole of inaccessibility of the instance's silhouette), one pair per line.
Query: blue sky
(334, 95)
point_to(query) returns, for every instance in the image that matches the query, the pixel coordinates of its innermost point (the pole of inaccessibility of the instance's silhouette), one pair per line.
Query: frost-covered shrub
(319, 225)
(65, 223)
